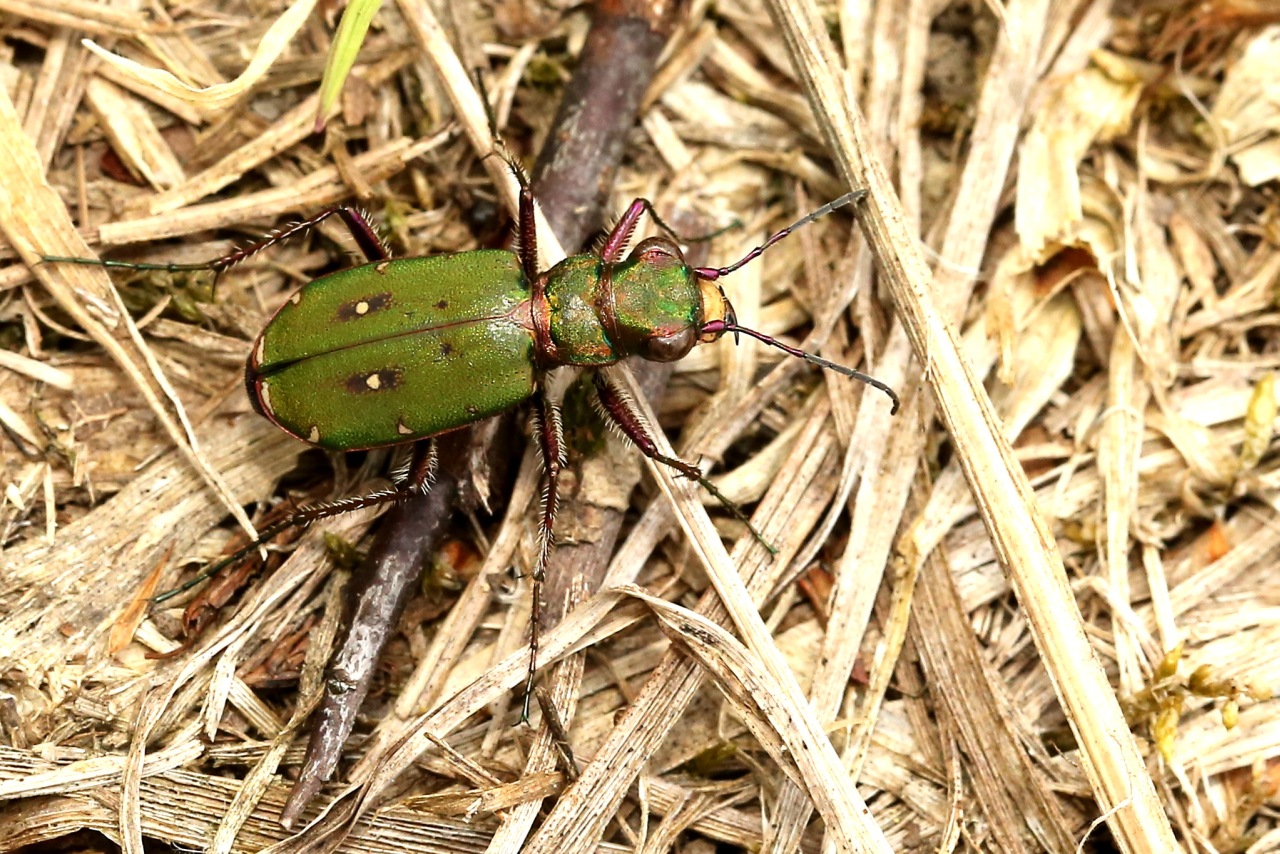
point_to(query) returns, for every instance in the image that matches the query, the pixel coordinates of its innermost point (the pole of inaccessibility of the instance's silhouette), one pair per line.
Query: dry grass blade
(36, 224)
(1087, 378)
(744, 679)
(1026, 548)
(79, 15)
(220, 95)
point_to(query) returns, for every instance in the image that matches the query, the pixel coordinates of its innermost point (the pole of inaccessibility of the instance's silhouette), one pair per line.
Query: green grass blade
(342, 54)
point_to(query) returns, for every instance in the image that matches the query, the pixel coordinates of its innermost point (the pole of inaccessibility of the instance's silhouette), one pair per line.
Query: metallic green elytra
(397, 350)
(400, 350)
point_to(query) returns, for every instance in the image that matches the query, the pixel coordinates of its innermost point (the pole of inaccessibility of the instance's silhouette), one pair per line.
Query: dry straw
(1018, 616)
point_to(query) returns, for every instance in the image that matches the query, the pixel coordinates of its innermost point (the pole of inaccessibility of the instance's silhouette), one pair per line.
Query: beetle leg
(526, 220)
(420, 476)
(528, 227)
(621, 411)
(420, 469)
(366, 237)
(615, 244)
(546, 418)
(620, 235)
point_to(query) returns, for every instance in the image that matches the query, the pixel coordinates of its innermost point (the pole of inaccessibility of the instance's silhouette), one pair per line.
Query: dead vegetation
(1040, 598)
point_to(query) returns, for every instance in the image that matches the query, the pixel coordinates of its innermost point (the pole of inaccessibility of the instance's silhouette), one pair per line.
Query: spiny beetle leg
(546, 419)
(615, 244)
(365, 235)
(528, 226)
(421, 467)
(420, 472)
(527, 221)
(620, 235)
(615, 403)
(362, 230)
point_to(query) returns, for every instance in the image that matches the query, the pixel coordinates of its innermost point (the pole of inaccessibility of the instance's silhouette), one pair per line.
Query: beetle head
(656, 304)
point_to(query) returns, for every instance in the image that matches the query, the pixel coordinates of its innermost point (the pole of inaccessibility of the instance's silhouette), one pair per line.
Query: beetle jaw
(717, 311)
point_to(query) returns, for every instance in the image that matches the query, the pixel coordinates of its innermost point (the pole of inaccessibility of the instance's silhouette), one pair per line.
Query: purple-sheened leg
(420, 475)
(546, 418)
(365, 235)
(526, 218)
(620, 235)
(528, 228)
(421, 469)
(619, 408)
(628, 420)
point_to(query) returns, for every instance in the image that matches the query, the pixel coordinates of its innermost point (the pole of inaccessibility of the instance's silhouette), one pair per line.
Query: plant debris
(1062, 636)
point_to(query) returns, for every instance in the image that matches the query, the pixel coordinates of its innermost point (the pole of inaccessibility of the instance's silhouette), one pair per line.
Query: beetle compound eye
(658, 252)
(670, 348)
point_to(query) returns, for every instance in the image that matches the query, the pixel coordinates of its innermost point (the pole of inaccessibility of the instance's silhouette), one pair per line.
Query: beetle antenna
(499, 147)
(719, 327)
(713, 273)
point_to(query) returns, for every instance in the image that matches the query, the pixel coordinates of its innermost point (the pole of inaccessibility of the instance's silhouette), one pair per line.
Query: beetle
(401, 350)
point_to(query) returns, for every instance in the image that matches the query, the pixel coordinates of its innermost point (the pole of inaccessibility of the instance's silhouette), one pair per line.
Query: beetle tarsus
(546, 419)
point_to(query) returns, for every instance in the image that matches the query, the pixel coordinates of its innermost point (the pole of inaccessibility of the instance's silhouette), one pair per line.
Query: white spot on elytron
(402, 428)
(362, 307)
(296, 298)
(260, 352)
(264, 397)
(373, 381)
(314, 436)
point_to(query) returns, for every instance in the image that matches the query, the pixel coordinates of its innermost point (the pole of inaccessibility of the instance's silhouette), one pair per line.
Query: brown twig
(376, 597)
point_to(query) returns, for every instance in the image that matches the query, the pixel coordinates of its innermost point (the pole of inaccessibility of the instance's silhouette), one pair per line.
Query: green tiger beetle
(402, 350)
